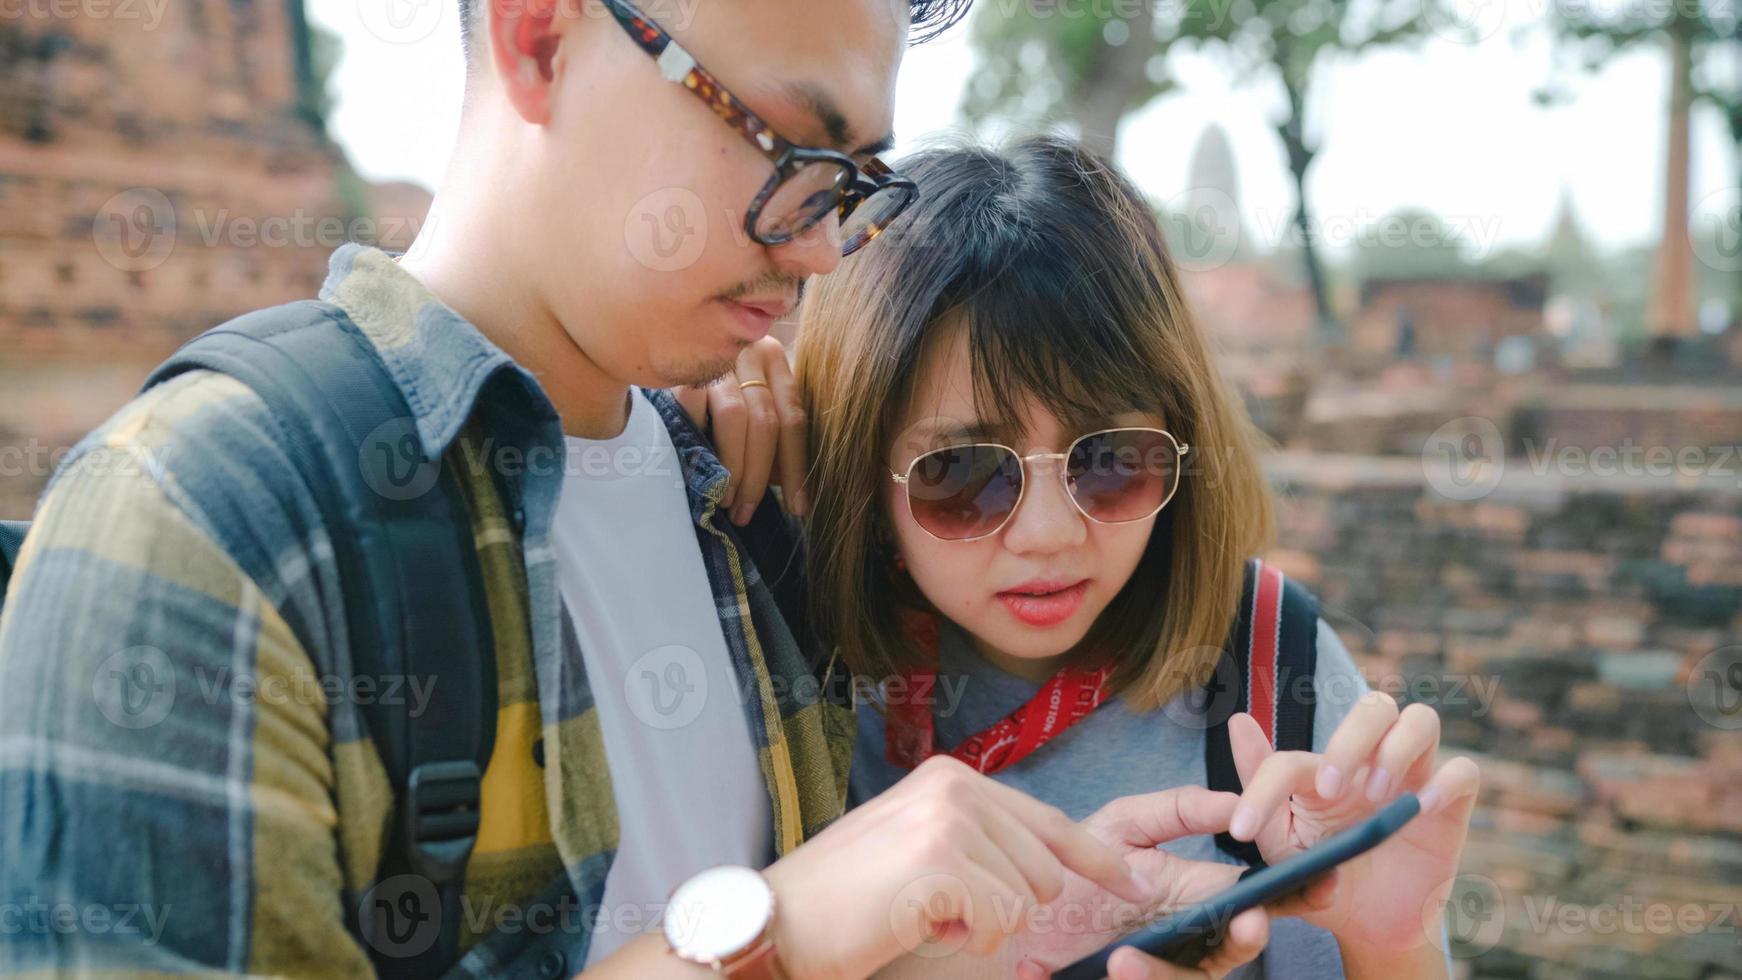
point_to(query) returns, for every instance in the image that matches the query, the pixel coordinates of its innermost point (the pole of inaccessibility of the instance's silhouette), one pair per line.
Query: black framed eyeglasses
(808, 182)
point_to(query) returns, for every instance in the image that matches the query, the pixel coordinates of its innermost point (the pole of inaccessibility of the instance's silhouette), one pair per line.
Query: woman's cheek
(950, 573)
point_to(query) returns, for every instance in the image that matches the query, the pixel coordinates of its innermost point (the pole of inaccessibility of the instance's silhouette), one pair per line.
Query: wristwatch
(723, 919)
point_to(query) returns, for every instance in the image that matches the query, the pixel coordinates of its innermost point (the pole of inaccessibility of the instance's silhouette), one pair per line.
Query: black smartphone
(1189, 935)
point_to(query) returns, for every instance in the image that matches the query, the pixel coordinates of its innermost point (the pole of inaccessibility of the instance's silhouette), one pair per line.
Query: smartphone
(1189, 935)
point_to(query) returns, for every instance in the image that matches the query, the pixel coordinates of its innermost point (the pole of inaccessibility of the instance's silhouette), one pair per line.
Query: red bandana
(909, 729)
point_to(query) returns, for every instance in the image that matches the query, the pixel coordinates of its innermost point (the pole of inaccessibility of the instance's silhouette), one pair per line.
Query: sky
(1449, 127)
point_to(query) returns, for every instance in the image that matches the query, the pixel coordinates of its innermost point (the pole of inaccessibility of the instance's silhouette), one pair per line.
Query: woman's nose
(1046, 520)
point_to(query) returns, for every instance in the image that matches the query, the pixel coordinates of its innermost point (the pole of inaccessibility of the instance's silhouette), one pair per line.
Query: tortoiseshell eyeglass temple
(808, 182)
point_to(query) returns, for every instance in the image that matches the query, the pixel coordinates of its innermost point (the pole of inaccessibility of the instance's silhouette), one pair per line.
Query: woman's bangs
(1069, 349)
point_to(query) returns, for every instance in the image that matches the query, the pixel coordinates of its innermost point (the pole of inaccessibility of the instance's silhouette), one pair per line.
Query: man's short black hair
(930, 18)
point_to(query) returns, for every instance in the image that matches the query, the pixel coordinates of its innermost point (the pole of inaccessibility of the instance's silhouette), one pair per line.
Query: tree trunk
(1670, 316)
(1113, 86)
(1300, 158)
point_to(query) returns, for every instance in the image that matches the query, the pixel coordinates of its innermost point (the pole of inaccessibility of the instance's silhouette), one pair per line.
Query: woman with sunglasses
(1033, 497)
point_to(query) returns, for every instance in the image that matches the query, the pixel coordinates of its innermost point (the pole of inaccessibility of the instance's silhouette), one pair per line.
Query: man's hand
(1390, 896)
(946, 856)
(756, 420)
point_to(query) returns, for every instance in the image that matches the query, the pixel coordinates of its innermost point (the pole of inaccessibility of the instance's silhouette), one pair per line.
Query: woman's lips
(1044, 605)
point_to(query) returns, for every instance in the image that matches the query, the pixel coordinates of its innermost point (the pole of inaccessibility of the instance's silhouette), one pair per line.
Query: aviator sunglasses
(1113, 476)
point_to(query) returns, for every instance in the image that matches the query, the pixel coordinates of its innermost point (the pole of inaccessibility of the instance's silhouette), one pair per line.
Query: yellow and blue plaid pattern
(186, 783)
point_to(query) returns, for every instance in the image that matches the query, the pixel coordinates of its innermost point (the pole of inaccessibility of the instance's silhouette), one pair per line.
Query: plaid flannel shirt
(186, 782)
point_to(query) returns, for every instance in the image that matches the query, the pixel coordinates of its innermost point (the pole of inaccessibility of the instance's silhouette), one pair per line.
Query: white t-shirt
(677, 741)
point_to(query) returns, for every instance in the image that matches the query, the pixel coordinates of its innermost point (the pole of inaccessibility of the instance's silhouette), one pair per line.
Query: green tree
(1092, 62)
(1704, 41)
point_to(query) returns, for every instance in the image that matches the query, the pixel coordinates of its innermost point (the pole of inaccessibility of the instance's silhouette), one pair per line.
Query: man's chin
(697, 373)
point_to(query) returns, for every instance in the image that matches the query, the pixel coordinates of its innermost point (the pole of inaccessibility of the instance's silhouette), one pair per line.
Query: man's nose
(815, 252)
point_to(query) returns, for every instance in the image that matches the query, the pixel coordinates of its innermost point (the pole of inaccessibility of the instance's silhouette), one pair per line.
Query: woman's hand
(1241, 943)
(1390, 898)
(756, 421)
(1085, 917)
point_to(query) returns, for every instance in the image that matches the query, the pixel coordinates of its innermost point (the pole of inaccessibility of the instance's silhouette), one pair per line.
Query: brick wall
(1582, 638)
(158, 175)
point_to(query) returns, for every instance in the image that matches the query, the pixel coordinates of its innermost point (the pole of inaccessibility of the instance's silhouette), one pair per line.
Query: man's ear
(524, 35)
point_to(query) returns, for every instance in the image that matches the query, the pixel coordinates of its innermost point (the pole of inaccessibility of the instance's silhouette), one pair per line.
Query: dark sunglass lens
(1122, 474)
(964, 491)
(873, 215)
(808, 194)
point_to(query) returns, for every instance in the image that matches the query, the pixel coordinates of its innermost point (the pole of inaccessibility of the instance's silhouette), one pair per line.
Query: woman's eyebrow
(979, 429)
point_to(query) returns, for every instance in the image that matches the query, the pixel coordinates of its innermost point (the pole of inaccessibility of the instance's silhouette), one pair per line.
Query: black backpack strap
(414, 602)
(1267, 669)
(11, 540)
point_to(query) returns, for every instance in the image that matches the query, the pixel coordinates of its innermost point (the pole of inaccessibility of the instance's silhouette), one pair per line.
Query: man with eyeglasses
(617, 220)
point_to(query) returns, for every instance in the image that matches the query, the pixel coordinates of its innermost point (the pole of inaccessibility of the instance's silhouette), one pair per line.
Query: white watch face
(718, 913)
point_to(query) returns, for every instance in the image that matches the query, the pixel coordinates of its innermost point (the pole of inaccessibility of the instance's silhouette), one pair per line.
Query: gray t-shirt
(1114, 752)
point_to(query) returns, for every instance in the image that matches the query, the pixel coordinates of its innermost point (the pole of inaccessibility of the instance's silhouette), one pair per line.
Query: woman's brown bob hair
(1057, 268)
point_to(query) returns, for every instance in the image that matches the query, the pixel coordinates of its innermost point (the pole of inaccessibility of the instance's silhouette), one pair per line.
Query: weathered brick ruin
(1581, 634)
(1579, 631)
(162, 168)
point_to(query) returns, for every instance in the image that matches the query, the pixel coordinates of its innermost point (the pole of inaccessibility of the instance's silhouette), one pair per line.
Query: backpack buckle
(441, 808)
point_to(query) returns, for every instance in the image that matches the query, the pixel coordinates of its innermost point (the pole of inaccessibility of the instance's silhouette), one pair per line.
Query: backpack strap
(1268, 668)
(414, 601)
(11, 540)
